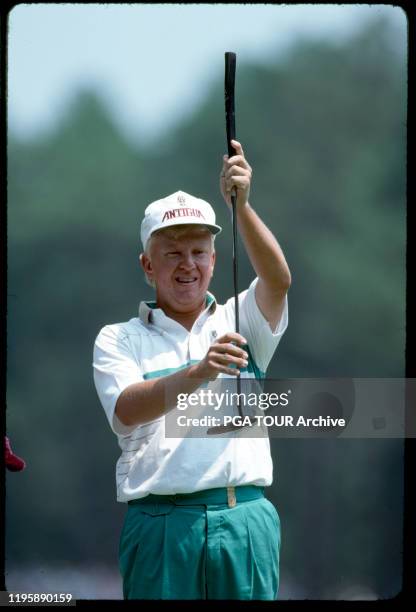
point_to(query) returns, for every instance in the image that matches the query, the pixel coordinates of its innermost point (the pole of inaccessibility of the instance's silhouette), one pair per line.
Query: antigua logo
(181, 199)
(182, 212)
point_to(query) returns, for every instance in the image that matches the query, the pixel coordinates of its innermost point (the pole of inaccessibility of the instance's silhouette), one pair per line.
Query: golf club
(229, 88)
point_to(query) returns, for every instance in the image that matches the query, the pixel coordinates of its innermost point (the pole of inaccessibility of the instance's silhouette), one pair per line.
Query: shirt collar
(150, 313)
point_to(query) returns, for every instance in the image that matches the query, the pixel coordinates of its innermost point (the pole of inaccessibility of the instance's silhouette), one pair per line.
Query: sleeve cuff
(284, 319)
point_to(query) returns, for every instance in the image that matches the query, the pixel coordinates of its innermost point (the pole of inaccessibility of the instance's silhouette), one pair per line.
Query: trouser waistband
(222, 495)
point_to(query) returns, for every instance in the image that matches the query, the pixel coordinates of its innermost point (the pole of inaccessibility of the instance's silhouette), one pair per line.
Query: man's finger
(237, 146)
(232, 337)
(236, 170)
(226, 360)
(239, 182)
(238, 160)
(232, 349)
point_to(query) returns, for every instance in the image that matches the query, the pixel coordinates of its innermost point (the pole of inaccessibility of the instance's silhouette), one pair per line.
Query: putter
(229, 87)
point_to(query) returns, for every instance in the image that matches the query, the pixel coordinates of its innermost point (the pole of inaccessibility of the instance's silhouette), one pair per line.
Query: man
(198, 525)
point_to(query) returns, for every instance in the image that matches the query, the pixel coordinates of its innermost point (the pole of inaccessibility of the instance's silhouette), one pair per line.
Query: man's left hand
(236, 174)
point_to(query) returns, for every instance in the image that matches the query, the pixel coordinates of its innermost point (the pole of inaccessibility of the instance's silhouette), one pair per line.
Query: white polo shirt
(154, 345)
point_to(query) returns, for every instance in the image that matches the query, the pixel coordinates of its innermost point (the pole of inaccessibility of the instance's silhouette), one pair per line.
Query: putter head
(220, 429)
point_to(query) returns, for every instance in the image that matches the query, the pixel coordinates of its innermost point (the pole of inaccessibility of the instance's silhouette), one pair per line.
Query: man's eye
(172, 253)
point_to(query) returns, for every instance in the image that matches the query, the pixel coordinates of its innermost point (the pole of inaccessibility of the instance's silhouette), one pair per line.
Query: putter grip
(230, 60)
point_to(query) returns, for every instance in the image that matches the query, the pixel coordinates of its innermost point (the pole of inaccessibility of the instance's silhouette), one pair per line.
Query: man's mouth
(186, 280)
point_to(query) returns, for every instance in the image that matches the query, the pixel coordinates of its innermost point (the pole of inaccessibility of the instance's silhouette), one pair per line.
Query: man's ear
(214, 255)
(146, 263)
(148, 269)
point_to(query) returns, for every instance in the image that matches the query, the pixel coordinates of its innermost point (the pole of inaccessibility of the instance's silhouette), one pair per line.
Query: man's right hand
(222, 356)
(145, 401)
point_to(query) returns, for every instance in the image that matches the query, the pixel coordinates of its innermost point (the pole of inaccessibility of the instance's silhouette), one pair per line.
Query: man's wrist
(193, 371)
(243, 209)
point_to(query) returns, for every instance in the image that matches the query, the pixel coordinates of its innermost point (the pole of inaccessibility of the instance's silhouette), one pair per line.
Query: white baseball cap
(179, 208)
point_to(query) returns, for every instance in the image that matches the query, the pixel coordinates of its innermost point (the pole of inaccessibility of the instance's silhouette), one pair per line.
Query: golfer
(198, 525)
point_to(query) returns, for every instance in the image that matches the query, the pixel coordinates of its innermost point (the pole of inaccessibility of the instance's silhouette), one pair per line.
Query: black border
(409, 535)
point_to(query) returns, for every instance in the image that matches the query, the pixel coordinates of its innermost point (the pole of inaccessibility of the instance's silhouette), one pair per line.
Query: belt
(222, 495)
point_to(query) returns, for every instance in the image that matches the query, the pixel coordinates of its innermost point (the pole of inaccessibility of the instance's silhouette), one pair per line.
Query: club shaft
(229, 94)
(235, 280)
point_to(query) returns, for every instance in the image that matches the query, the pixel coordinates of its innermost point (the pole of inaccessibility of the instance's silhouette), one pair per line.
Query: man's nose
(187, 261)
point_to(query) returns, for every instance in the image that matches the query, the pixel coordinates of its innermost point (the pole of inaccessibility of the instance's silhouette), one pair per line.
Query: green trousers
(213, 544)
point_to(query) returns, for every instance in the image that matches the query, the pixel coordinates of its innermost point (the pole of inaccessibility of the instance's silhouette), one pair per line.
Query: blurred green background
(324, 128)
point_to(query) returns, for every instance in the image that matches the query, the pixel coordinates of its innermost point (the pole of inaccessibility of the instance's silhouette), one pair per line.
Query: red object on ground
(13, 462)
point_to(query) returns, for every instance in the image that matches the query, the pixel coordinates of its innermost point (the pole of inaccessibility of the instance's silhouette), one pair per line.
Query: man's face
(181, 267)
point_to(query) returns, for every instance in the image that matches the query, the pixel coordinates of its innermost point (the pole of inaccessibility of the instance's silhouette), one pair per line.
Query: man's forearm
(263, 250)
(145, 401)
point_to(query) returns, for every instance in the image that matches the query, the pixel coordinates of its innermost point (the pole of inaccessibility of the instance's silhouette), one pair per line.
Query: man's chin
(190, 300)
(190, 304)
(185, 300)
